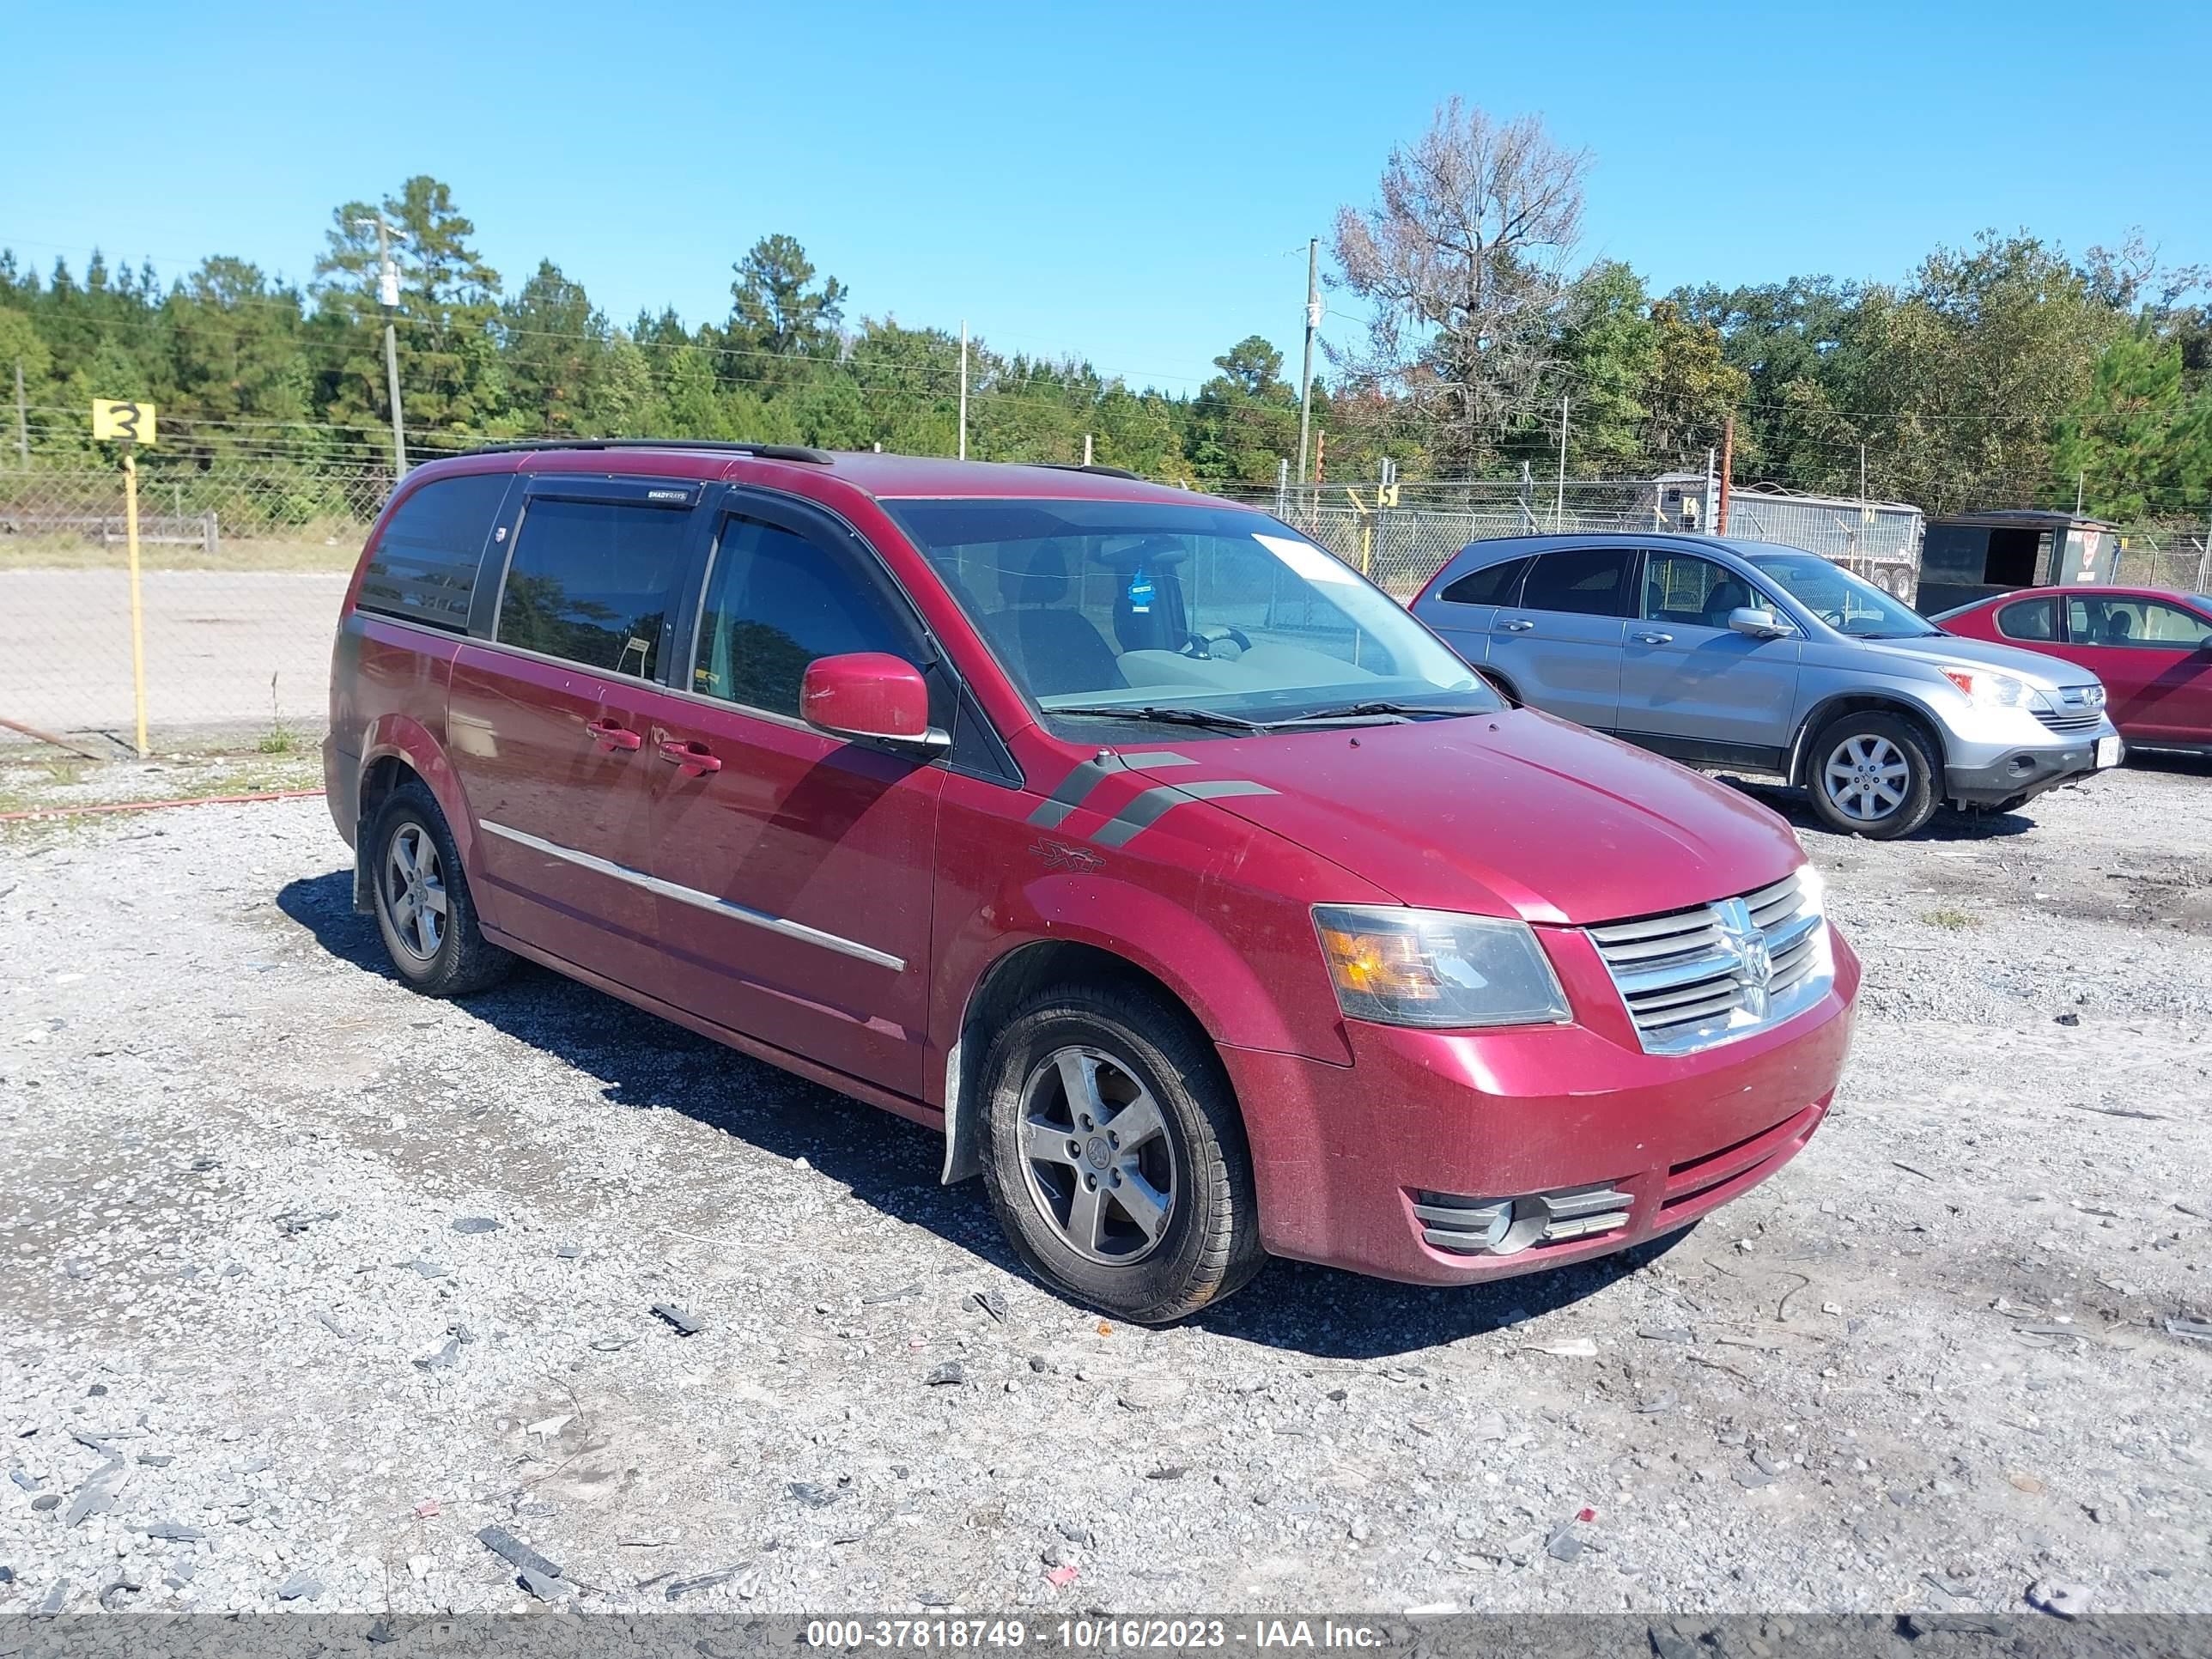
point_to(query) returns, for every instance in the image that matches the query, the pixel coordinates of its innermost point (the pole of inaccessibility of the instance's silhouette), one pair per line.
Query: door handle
(693, 758)
(1653, 639)
(614, 735)
(1517, 626)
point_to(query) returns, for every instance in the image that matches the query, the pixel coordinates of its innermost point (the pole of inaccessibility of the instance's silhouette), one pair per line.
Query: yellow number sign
(127, 423)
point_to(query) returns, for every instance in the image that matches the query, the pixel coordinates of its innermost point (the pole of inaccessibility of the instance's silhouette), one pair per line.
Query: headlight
(1403, 967)
(1987, 689)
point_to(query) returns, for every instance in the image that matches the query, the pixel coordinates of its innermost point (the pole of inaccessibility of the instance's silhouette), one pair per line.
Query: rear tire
(1871, 774)
(1115, 1155)
(423, 907)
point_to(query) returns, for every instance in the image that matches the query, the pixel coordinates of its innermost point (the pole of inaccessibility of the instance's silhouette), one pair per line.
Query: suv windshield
(1848, 604)
(1101, 606)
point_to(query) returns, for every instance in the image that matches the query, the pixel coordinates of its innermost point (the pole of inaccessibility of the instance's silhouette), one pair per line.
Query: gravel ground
(307, 1282)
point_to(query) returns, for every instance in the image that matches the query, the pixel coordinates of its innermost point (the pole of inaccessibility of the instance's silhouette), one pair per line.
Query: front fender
(1905, 698)
(1264, 988)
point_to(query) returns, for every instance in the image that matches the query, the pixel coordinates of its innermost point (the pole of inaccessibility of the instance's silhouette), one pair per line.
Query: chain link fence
(2166, 558)
(244, 566)
(242, 570)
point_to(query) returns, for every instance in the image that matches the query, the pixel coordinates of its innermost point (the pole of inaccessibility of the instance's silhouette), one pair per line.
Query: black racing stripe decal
(1147, 809)
(1158, 757)
(1082, 778)
(1085, 775)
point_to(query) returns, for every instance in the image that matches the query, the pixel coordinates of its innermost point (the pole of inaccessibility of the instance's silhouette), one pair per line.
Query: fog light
(1506, 1226)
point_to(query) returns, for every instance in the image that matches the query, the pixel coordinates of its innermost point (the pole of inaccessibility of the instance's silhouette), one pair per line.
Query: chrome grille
(1716, 972)
(2069, 721)
(2080, 709)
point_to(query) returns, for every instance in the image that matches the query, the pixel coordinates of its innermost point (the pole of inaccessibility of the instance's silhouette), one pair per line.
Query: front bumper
(1994, 775)
(1344, 1156)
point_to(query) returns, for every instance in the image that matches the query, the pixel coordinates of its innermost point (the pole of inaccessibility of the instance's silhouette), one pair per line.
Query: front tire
(1871, 774)
(423, 907)
(1115, 1155)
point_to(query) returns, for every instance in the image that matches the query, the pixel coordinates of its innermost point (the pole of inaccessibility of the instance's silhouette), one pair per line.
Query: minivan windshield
(1209, 616)
(1849, 605)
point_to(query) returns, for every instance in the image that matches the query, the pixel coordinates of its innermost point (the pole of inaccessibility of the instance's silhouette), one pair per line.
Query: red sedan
(2152, 649)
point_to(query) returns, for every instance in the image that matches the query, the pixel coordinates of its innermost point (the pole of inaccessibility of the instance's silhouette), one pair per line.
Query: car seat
(1049, 644)
(1727, 596)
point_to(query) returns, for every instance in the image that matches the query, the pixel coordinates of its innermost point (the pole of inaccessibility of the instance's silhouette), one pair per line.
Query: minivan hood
(1514, 813)
(2030, 665)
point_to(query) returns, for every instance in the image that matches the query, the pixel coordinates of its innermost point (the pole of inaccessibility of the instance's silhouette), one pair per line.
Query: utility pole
(2081, 481)
(963, 388)
(1559, 502)
(387, 297)
(1727, 472)
(1086, 449)
(22, 420)
(1863, 495)
(1305, 377)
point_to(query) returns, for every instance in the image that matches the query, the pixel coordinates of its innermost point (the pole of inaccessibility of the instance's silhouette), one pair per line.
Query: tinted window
(1693, 592)
(1494, 585)
(2147, 623)
(2030, 619)
(595, 583)
(1585, 579)
(424, 568)
(774, 603)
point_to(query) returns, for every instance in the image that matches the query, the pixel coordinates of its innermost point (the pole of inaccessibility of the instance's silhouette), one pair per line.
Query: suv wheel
(422, 904)
(1114, 1154)
(1871, 775)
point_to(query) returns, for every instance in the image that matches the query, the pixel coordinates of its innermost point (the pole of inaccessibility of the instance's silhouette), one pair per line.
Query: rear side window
(594, 582)
(1587, 581)
(2031, 619)
(424, 568)
(774, 603)
(1495, 583)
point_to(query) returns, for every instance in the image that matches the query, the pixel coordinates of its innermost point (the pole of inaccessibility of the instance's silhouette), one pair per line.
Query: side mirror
(1758, 625)
(866, 694)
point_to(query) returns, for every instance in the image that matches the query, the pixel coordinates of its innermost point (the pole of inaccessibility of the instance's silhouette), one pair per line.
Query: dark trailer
(1972, 556)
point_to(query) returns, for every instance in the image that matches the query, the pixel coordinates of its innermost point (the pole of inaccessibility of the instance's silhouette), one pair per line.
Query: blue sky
(1134, 183)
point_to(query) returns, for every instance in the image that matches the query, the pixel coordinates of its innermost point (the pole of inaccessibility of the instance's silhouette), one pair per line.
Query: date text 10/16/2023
(1092, 1635)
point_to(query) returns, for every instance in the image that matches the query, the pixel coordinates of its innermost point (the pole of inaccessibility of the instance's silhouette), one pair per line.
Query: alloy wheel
(1866, 777)
(414, 891)
(1100, 1162)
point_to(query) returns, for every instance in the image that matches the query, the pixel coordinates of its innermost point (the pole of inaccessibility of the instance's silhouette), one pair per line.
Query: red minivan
(1200, 898)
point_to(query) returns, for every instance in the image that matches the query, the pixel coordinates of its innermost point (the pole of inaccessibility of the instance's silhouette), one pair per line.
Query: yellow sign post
(130, 424)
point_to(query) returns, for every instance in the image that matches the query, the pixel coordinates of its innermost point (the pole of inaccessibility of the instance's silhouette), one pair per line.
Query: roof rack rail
(721, 446)
(1085, 466)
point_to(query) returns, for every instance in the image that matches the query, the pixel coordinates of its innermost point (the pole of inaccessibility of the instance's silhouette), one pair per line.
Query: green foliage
(1991, 375)
(2138, 432)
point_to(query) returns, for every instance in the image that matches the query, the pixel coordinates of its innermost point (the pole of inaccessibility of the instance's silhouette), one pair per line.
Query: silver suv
(1748, 657)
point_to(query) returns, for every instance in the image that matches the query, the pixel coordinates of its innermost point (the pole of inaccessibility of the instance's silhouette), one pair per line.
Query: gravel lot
(307, 1281)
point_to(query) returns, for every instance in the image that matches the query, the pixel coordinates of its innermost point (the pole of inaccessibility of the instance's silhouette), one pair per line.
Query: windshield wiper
(1169, 714)
(1376, 709)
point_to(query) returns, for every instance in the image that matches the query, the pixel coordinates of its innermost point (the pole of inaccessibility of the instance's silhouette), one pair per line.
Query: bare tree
(1464, 260)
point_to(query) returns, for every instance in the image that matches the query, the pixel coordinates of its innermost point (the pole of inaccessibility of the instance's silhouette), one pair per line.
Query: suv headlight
(1401, 967)
(1987, 689)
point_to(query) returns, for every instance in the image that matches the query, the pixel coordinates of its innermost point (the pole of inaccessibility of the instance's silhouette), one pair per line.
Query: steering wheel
(1202, 644)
